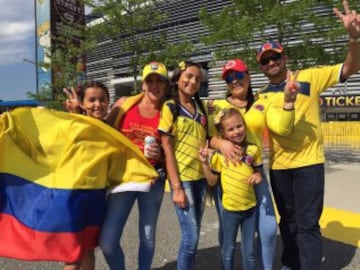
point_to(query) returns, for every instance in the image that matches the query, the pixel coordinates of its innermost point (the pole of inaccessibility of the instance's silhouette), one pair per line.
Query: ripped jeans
(117, 213)
(190, 222)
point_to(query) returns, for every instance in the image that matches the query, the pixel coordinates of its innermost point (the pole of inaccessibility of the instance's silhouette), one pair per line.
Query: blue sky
(17, 41)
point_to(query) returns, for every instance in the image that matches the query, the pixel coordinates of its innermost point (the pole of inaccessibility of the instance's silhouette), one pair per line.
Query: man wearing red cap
(297, 160)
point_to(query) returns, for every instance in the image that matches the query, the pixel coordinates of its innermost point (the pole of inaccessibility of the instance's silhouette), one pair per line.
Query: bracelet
(354, 40)
(176, 186)
(285, 109)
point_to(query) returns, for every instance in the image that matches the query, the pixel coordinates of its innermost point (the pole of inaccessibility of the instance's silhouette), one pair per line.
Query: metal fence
(343, 135)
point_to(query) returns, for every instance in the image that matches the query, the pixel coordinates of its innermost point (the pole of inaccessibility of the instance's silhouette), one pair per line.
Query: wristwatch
(354, 40)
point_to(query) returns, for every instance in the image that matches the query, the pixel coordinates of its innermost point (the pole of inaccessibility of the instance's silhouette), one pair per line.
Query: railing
(337, 135)
(344, 135)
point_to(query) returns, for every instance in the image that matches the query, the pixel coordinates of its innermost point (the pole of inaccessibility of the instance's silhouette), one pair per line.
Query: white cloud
(17, 31)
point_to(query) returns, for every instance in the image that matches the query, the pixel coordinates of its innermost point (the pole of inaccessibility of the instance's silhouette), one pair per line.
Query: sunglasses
(266, 60)
(235, 76)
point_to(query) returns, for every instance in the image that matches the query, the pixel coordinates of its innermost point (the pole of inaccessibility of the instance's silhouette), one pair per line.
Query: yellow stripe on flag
(69, 151)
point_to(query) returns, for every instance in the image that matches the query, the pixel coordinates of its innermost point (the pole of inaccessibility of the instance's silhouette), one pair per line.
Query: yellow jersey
(304, 145)
(189, 132)
(237, 194)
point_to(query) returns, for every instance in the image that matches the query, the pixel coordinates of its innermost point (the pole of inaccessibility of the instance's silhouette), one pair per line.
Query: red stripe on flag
(20, 242)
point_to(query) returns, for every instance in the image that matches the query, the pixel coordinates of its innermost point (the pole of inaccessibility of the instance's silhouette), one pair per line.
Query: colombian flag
(54, 171)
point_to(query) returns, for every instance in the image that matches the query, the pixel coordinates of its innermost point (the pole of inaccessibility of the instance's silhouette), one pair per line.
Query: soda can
(147, 142)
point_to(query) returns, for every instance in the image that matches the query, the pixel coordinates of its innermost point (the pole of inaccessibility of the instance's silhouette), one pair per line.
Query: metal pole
(36, 53)
(35, 66)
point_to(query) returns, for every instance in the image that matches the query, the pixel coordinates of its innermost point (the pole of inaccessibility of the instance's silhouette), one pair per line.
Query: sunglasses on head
(234, 76)
(274, 58)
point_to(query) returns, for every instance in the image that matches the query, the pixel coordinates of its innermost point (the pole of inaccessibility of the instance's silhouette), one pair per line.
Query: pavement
(340, 225)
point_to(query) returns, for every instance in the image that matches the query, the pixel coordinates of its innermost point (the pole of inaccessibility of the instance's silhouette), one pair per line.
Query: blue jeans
(118, 209)
(219, 209)
(299, 196)
(190, 222)
(266, 225)
(231, 222)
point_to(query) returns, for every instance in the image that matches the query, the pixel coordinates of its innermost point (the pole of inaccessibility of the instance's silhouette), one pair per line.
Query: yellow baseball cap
(155, 68)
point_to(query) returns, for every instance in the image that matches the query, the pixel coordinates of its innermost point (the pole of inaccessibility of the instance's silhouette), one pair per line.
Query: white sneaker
(285, 268)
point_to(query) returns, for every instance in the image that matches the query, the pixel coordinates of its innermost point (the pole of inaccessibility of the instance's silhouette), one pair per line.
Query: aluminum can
(147, 142)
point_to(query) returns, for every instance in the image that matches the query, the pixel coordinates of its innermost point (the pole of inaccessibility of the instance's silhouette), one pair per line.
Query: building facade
(111, 66)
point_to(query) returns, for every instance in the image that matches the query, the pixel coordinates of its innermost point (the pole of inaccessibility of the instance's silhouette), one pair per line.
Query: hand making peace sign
(350, 19)
(72, 103)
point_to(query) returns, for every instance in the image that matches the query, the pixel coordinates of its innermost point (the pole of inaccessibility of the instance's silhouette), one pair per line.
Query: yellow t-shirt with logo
(237, 194)
(189, 132)
(304, 145)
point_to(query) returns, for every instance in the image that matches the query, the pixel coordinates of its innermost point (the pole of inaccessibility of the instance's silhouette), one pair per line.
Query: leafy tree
(134, 26)
(241, 27)
(45, 96)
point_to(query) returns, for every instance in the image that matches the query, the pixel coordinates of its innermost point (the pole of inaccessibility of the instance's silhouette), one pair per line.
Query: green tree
(135, 26)
(306, 35)
(45, 97)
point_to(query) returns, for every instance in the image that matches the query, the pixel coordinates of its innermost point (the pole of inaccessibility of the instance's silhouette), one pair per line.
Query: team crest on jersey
(259, 107)
(247, 159)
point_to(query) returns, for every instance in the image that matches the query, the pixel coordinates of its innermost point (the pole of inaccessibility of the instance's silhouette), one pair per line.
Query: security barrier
(345, 135)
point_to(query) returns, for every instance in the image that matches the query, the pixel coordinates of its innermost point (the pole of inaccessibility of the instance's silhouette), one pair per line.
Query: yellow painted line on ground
(340, 225)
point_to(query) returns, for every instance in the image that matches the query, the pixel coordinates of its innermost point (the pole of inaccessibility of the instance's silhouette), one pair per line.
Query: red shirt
(136, 127)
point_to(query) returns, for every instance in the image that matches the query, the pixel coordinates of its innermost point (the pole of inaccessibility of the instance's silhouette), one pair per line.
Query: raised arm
(281, 120)
(351, 22)
(210, 176)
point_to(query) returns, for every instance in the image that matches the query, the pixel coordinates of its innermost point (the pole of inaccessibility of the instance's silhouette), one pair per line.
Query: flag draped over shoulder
(54, 170)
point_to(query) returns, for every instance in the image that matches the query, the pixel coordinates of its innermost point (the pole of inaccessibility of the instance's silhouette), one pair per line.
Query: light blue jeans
(231, 221)
(190, 223)
(118, 209)
(266, 227)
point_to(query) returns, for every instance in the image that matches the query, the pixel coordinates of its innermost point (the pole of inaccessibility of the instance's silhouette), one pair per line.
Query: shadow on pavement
(337, 256)
(342, 155)
(350, 235)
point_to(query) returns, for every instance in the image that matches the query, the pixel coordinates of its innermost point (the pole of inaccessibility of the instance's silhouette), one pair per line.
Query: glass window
(330, 117)
(342, 117)
(354, 117)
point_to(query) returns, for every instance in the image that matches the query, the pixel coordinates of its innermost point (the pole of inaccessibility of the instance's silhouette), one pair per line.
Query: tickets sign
(340, 101)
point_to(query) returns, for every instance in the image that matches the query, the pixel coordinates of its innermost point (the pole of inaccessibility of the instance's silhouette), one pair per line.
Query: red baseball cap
(234, 65)
(269, 46)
